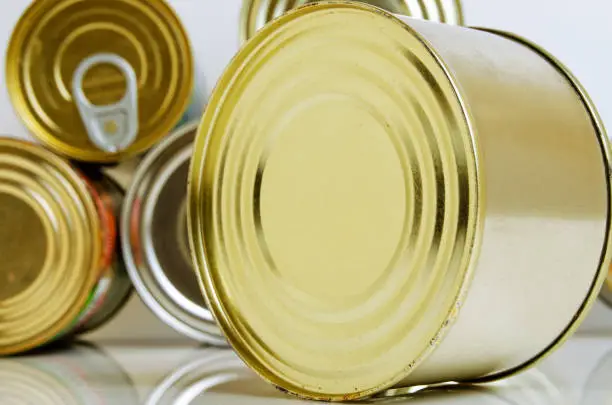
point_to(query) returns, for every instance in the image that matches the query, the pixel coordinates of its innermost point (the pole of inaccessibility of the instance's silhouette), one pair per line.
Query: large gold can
(99, 80)
(381, 201)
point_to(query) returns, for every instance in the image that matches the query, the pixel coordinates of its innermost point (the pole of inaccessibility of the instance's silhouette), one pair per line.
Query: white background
(578, 32)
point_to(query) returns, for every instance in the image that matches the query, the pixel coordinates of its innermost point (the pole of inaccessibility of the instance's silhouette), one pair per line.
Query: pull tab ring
(111, 127)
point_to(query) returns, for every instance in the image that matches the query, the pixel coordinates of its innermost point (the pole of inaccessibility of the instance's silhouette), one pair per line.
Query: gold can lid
(334, 202)
(54, 39)
(257, 13)
(50, 245)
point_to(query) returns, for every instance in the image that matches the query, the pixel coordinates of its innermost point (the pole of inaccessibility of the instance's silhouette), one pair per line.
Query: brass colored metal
(386, 201)
(53, 37)
(256, 13)
(60, 272)
(154, 239)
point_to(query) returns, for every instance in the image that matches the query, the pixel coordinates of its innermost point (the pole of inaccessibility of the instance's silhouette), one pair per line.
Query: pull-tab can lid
(111, 127)
(53, 38)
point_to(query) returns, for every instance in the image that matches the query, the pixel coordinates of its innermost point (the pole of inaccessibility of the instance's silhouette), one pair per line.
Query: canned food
(154, 239)
(388, 201)
(99, 80)
(66, 377)
(256, 13)
(60, 273)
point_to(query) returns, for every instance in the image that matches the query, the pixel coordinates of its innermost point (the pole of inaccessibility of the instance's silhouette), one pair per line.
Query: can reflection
(80, 375)
(597, 388)
(220, 377)
(530, 388)
(214, 376)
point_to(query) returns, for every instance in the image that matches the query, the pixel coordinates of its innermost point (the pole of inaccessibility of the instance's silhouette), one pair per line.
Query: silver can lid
(155, 243)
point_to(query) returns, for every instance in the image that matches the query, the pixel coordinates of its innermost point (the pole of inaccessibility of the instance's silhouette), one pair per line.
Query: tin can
(61, 273)
(99, 80)
(257, 13)
(66, 377)
(154, 239)
(400, 208)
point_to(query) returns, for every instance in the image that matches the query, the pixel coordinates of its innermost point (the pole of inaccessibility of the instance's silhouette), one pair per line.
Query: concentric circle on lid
(53, 37)
(256, 13)
(50, 245)
(333, 203)
(155, 243)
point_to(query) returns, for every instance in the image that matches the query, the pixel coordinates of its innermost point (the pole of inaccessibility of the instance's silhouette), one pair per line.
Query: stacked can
(96, 81)
(102, 80)
(378, 201)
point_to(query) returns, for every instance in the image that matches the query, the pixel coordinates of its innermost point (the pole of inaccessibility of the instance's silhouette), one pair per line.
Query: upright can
(154, 239)
(60, 274)
(257, 13)
(389, 201)
(99, 80)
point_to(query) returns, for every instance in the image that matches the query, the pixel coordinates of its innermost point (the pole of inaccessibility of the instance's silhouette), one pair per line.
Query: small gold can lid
(104, 40)
(50, 245)
(256, 13)
(333, 202)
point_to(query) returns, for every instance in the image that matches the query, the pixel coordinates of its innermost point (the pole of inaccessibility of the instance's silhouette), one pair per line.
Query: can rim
(246, 31)
(212, 336)
(606, 254)
(85, 202)
(20, 101)
(239, 343)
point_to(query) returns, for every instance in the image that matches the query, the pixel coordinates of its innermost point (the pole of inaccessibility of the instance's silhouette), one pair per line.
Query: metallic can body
(154, 239)
(53, 38)
(64, 274)
(405, 202)
(256, 13)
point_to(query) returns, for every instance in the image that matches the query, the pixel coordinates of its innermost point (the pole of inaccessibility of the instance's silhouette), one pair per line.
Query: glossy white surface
(171, 373)
(576, 31)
